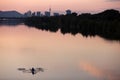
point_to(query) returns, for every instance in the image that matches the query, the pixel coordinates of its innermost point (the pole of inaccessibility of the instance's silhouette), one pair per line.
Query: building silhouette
(47, 13)
(33, 14)
(38, 13)
(50, 11)
(56, 14)
(68, 12)
(28, 14)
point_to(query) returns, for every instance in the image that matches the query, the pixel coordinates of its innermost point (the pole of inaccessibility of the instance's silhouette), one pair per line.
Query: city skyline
(79, 6)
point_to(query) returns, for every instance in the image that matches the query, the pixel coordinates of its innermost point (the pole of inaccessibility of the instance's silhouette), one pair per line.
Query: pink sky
(59, 5)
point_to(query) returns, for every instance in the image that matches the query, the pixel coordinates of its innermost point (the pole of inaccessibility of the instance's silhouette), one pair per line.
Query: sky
(59, 5)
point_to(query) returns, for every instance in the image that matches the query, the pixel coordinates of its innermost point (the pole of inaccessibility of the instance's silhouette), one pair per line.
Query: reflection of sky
(100, 73)
(59, 54)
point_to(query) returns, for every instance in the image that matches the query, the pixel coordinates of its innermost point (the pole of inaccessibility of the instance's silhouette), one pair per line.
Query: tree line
(105, 24)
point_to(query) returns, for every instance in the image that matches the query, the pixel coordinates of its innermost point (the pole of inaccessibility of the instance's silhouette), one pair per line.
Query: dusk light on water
(60, 40)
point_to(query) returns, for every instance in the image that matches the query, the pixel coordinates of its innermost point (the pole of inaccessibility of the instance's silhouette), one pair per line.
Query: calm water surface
(65, 57)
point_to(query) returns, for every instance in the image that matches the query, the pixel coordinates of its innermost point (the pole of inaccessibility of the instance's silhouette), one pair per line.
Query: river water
(64, 57)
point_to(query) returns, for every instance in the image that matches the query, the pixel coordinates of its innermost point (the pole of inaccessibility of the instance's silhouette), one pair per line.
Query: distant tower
(50, 10)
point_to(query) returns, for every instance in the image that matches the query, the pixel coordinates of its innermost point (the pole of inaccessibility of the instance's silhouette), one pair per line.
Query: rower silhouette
(32, 70)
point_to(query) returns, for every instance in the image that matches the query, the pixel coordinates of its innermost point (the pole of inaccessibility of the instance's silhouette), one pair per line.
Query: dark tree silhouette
(105, 24)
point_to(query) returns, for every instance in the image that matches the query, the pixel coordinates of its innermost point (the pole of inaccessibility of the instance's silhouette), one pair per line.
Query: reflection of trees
(105, 24)
(44, 23)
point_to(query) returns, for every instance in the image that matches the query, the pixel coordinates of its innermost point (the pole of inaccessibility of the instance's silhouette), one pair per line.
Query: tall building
(50, 11)
(33, 14)
(38, 14)
(68, 12)
(47, 13)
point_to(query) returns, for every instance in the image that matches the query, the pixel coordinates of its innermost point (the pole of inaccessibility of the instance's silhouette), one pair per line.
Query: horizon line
(62, 12)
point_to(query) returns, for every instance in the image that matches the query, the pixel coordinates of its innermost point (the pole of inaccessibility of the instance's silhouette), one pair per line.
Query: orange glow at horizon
(58, 5)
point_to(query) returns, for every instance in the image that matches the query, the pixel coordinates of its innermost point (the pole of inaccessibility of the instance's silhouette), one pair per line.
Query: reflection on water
(107, 32)
(100, 73)
(65, 57)
(12, 22)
